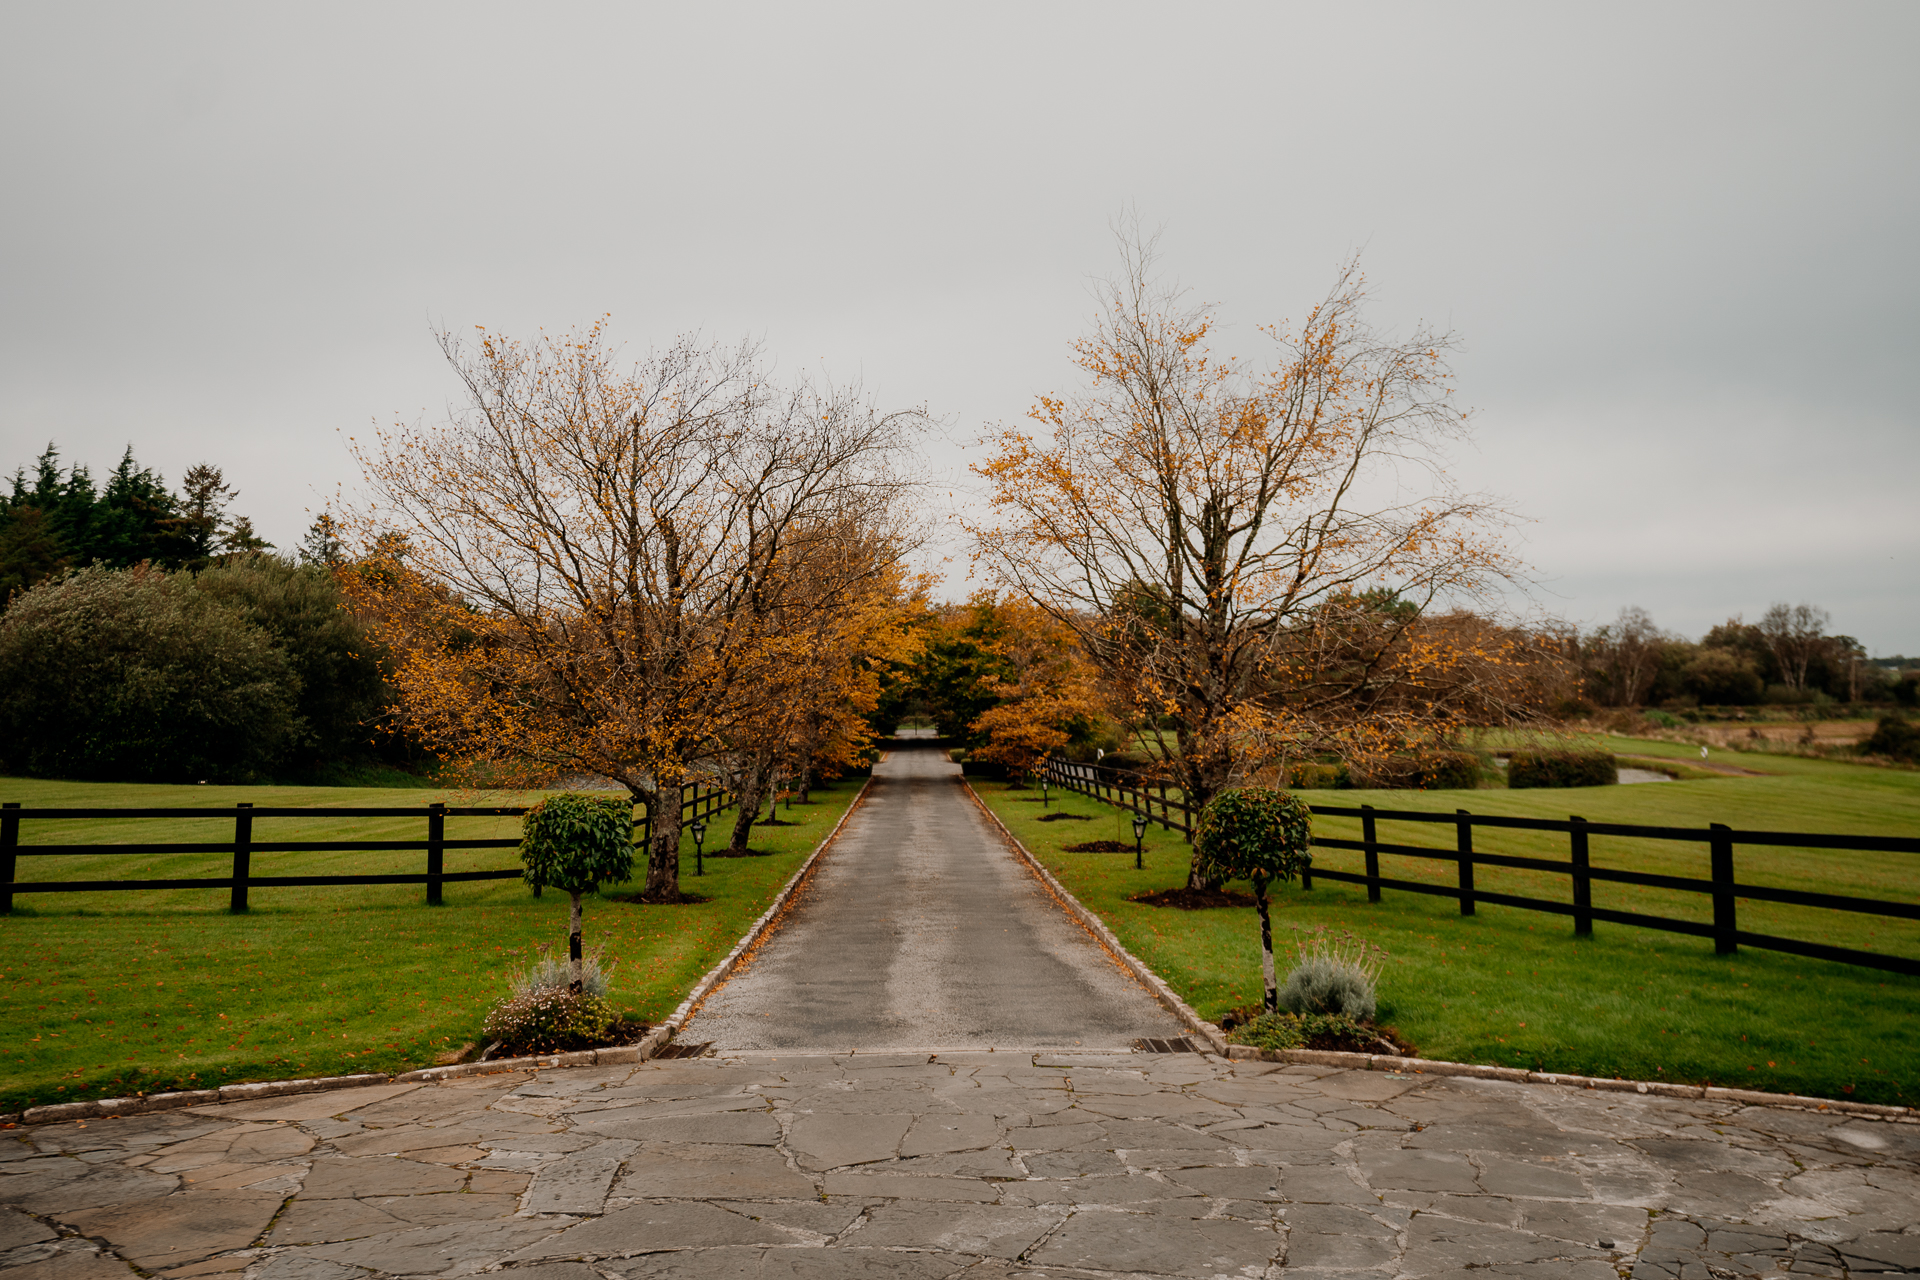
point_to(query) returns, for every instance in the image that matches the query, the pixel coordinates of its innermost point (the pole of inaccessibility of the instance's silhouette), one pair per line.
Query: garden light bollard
(1043, 791)
(699, 847)
(1139, 840)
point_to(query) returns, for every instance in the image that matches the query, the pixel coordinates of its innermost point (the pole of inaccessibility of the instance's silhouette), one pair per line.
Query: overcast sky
(1678, 242)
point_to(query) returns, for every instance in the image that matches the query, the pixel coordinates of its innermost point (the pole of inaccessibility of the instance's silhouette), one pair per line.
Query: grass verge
(1514, 988)
(108, 994)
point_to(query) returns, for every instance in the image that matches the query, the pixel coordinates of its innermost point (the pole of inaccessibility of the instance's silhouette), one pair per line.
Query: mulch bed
(1192, 899)
(740, 853)
(619, 1036)
(1099, 846)
(1373, 1038)
(1066, 817)
(682, 899)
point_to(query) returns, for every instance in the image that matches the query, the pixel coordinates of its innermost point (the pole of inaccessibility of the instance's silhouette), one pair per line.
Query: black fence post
(1463, 841)
(242, 855)
(1582, 882)
(9, 841)
(1369, 836)
(436, 850)
(1723, 919)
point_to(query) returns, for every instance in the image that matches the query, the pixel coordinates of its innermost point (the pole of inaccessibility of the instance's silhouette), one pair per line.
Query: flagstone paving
(964, 1164)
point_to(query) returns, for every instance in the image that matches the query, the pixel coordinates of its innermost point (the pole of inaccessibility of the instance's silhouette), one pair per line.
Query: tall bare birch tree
(1246, 551)
(590, 553)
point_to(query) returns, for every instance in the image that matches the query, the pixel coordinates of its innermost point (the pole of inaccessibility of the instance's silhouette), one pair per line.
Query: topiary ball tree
(577, 843)
(1257, 834)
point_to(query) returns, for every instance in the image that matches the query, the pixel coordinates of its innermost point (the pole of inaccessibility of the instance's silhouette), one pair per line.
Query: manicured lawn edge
(648, 1045)
(1418, 1066)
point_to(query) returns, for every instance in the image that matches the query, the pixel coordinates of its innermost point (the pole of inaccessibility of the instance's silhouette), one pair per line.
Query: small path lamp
(1139, 839)
(699, 847)
(1043, 791)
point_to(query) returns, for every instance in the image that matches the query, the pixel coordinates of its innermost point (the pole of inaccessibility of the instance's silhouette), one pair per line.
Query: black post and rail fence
(247, 846)
(1153, 800)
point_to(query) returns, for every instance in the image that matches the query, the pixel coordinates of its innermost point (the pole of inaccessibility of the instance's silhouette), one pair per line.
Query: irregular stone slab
(832, 1141)
(427, 1251)
(69, 1260)
(579, 1183)
(288, 1267)
(406, 1138)
(1072, 1164)
(660, 1171)
(1502, 1177)
(647, 1227)
(1441, 1245)
(306, 1106)
(792, 1264)
(935, 1134)
(993, 1162)
(334, 1177)
(904, 1187)
(1057, 1137)
(323, 1221)
(17, 1228)
(1309, 1249)
(993, 1231)
(1163, 1246)
(1146, 1135)
(817, 1218)
(433, 1209)
(750, 1128)
(58, 1186)
(1234, 1183)
(181, 1228)
(1419, 1171)
(704, 1105)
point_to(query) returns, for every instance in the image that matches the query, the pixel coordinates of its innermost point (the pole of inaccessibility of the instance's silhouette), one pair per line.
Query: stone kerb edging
(1420, 1066)
(1152, 981)
(649, 1044)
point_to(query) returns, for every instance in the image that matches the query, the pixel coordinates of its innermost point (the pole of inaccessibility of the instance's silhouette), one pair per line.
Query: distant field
(108, 993)
(1514, 988)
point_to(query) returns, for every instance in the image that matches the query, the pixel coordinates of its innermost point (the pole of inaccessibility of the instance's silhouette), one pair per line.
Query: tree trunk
(573, 946)
(746, 804)
(663, 849)
(1272, 1002)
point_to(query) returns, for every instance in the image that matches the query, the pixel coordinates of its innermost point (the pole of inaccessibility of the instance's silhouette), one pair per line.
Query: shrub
(1311, 776)
(1723, 677)
(595, 978)
(1562, 769)
(1336, 973)
(135, 675)
(551, 1020)
(1323, 985)
(1257, 834)
(1896, 738)
(1434, 771)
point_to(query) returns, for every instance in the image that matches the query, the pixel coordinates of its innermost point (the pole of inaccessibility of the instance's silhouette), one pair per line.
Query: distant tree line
(1788, 656)
(60, 518)
(149, 635)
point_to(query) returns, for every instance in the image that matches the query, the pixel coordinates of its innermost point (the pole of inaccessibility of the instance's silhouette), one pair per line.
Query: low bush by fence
(1561, 769)
(1162, 805)
(696, 801)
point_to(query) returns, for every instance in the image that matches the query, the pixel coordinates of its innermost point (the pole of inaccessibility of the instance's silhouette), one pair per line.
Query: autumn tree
(582, 556)
(1210, 528)
(1044, 693)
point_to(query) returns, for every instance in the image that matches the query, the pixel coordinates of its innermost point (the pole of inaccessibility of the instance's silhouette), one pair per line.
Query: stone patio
(935, 1164)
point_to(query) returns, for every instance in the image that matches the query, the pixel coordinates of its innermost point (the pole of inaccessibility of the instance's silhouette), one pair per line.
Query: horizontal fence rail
(697, 802)
(1153, 800)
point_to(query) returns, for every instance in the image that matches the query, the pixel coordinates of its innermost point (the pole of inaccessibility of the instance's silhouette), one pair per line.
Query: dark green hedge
(1434, 771)
(1562, 769)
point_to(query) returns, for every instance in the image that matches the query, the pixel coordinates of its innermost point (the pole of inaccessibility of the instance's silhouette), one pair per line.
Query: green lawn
(1514, 988)
(109, 993)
